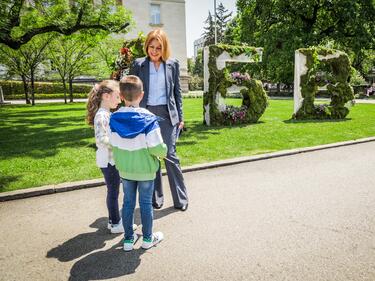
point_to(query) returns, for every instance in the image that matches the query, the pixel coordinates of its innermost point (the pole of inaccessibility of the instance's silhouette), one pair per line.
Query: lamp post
(215, 22)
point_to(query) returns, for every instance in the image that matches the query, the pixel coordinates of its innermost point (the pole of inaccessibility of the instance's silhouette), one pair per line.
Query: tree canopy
(21, 20)
(282, 26)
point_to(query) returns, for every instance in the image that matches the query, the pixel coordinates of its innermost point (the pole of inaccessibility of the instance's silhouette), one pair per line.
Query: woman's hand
(181, 125)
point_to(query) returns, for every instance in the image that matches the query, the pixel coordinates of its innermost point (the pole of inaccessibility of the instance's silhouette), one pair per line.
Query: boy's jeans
(146, 189)
(112, 180)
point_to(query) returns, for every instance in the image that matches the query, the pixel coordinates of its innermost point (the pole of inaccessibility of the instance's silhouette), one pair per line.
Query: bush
(11, 88)
(195, 83)
(356, 78)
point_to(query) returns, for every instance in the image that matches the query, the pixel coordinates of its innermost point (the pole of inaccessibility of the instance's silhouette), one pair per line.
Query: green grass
(50, 143)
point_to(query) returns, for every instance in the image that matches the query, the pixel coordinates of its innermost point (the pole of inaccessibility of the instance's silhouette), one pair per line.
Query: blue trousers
(175, 177)
(112, 180)
(145, 189)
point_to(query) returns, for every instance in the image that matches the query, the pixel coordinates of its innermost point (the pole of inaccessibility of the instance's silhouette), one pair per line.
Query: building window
(155, 14)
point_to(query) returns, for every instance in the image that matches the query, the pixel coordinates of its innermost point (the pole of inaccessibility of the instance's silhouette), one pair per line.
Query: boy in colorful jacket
(137, 143)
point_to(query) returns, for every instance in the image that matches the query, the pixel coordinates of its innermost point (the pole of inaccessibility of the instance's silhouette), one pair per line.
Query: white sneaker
(119, 228)
(129, 244)
(157, 237)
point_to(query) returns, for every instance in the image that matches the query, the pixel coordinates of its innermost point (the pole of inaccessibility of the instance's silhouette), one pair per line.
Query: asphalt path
(308, 216)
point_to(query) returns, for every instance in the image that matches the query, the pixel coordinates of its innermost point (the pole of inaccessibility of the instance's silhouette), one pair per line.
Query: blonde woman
(162, 96)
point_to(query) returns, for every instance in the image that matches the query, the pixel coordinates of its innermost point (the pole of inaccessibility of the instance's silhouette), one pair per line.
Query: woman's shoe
(184, 207)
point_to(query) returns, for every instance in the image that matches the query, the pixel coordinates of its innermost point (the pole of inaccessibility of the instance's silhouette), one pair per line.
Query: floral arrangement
(130, 50)
(123, 63)
(239, 78)
(234, 115)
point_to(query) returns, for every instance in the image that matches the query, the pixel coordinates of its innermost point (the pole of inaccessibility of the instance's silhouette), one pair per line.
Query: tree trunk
(71, 89)
(278, 89)
(64, 84)
(32, 88)
(25, 89)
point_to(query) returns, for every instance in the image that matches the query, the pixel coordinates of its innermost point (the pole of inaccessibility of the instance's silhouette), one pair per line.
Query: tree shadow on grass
(32, 113)
(294, 121)
(197, 130)
(44, 140)
(5, 181)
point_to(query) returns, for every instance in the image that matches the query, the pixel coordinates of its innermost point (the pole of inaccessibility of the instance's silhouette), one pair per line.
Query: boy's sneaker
(129, 244)
(157, 237)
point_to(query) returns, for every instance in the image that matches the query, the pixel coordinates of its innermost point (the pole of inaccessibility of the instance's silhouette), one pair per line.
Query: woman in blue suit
(162, 96)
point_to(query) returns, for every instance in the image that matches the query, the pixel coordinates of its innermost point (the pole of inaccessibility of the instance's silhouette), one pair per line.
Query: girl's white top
(101, 125)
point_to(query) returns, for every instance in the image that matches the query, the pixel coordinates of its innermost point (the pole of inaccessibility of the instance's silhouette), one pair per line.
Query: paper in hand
(178, 133)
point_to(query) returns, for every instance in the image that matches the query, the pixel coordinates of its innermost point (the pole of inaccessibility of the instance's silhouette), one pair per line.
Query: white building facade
(168, 15)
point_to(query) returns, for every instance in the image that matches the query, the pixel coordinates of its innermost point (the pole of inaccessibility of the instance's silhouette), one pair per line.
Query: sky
(196, 14)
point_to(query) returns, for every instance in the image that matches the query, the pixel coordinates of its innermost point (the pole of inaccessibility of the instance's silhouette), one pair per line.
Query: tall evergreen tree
(209, 31)
(223, 17)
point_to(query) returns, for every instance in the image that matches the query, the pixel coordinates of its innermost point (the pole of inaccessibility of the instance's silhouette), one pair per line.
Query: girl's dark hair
(95, 97)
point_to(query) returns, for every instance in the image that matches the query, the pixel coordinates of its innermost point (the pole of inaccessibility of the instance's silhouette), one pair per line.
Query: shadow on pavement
(83, 243)
(110, 263)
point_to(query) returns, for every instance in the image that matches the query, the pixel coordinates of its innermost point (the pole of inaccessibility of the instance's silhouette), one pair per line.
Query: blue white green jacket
(137, 142)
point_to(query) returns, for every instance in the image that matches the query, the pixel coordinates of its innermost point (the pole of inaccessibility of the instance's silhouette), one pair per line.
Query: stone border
(69, 186)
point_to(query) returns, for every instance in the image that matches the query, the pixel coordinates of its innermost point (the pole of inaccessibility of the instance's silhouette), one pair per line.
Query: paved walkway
(308, 216)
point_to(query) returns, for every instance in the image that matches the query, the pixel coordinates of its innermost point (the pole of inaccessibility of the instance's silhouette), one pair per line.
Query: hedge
(11, 88)
(195, 83)
(48, 96)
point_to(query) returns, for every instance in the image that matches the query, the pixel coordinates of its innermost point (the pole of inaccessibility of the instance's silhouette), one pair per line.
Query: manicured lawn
(50, 143)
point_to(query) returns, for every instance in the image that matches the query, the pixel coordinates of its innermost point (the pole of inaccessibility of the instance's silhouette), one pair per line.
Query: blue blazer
(141, 68)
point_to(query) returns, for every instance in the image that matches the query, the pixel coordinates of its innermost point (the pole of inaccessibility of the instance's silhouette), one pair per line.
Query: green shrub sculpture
(254, 98)
(325, 67)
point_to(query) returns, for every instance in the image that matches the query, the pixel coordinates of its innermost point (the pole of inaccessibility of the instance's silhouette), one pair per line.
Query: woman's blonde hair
(96, 95)
(162, 38)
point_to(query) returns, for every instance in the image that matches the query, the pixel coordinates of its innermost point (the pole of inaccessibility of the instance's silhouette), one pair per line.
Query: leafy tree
(70, 56)
(198, 64)
(282, 26)
(21, 20)
(15, 66)
(105, 55)
(26, 60)
(190, 65)
(231, 32)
